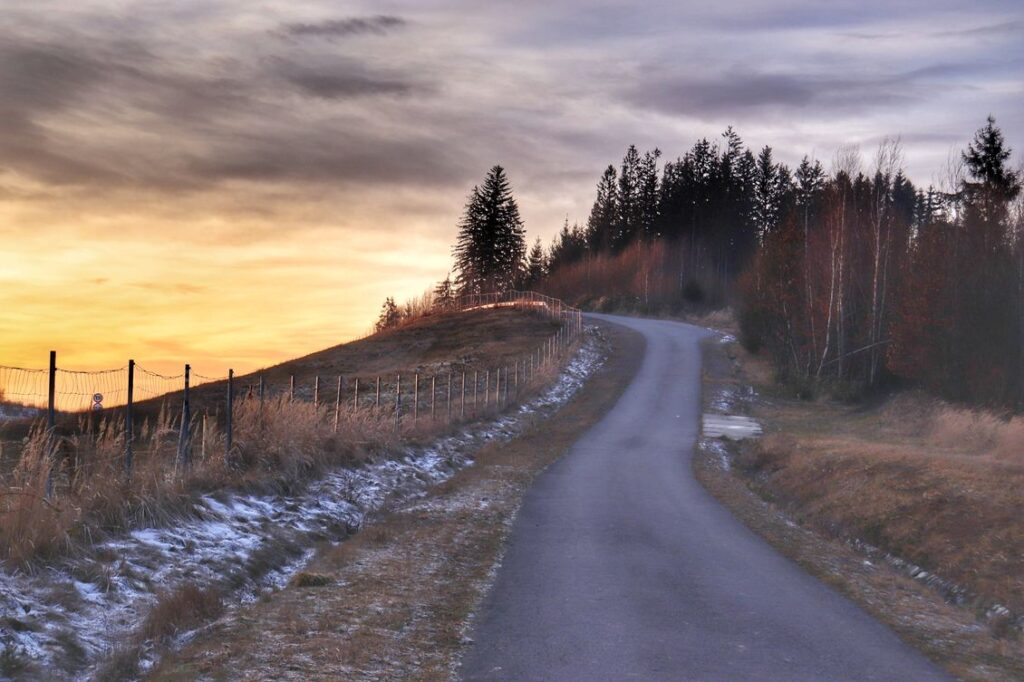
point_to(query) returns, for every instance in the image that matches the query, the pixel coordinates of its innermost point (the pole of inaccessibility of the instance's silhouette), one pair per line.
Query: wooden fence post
(462, 405)
(487, 389)
(376, 401)
(291, 387)
(415, 398)
(231, 412)
(449, 396)
(261, 389)
(316, 392)
(129, 426)
(398, 402)
(476, 381)
(51, 411)
(186, 417)
(337, 402)
(355, 399)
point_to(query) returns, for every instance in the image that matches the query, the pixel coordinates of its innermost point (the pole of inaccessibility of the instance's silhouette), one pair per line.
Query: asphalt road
(621, 566)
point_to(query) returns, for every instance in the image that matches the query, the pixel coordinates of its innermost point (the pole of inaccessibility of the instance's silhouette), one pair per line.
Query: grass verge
(401, 592)
(910, 507)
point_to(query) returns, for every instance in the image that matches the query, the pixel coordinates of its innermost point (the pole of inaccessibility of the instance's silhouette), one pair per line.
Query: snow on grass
(65, 619)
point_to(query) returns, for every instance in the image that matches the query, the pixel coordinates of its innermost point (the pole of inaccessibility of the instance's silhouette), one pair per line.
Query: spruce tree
(603, 215)
(993, 185)
(649, 191)
(389, 316)
(629, 201)
(536, 264)
(491, 246)
(444, 294)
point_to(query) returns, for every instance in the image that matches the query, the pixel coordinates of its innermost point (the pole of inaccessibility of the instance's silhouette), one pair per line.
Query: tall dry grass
(66, 492)
(955, 429)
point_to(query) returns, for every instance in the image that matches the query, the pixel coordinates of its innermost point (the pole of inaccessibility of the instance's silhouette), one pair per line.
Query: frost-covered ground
(66, 619)
(12, 411)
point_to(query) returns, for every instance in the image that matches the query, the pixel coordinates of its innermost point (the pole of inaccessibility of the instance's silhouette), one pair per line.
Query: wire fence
(70, 402)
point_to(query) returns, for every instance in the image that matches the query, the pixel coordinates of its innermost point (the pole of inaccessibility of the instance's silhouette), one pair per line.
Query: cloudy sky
(234, 182)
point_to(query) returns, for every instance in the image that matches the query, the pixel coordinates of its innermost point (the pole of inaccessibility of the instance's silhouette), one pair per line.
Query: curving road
(621, 566)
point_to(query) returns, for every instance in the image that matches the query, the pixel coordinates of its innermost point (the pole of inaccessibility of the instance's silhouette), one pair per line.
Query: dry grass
(921, 480)
(67, 490)
(931, 483)
(403, 588)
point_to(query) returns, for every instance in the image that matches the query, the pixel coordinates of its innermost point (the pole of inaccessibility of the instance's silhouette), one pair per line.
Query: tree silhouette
(491, 245)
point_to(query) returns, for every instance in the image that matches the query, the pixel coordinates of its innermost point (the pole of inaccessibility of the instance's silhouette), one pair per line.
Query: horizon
(233, 188)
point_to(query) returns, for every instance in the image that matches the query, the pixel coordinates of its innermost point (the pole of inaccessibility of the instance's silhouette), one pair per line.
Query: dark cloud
(739, 92)
(341, 79)
(339, 28)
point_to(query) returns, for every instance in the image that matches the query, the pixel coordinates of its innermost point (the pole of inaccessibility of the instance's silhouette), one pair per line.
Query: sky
(232, 183)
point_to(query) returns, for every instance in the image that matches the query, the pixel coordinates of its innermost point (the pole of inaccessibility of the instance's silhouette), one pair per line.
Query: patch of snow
(250, 542)
(730, 426)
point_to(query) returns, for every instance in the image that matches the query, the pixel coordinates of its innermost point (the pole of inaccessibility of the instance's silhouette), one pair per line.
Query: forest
(850, 277)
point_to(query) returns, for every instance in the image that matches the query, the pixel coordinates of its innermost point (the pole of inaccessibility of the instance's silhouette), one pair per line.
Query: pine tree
(389, 316)
(536, 264)
(648, 192)
(491, 246)
(444, 295)
(568, 246)
(603, 215)
(994, 184)
(628, 219)
(767, 193)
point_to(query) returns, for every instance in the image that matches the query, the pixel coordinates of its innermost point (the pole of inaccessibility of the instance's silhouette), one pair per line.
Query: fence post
(316, 392)
(462, 405)
(51, 412)
(231, 413)
(355, 398)
(449, 397)
(337, 403)
(129, 427)
(291, 387)
(398, 401)
(376, 402)
(261, 391)
(433, 396)
(487, 389)
(515, 385)
(415, 398)
(476, 381)
(186, 418)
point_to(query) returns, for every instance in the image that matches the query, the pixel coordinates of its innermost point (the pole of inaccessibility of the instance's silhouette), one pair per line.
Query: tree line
(851, 276)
